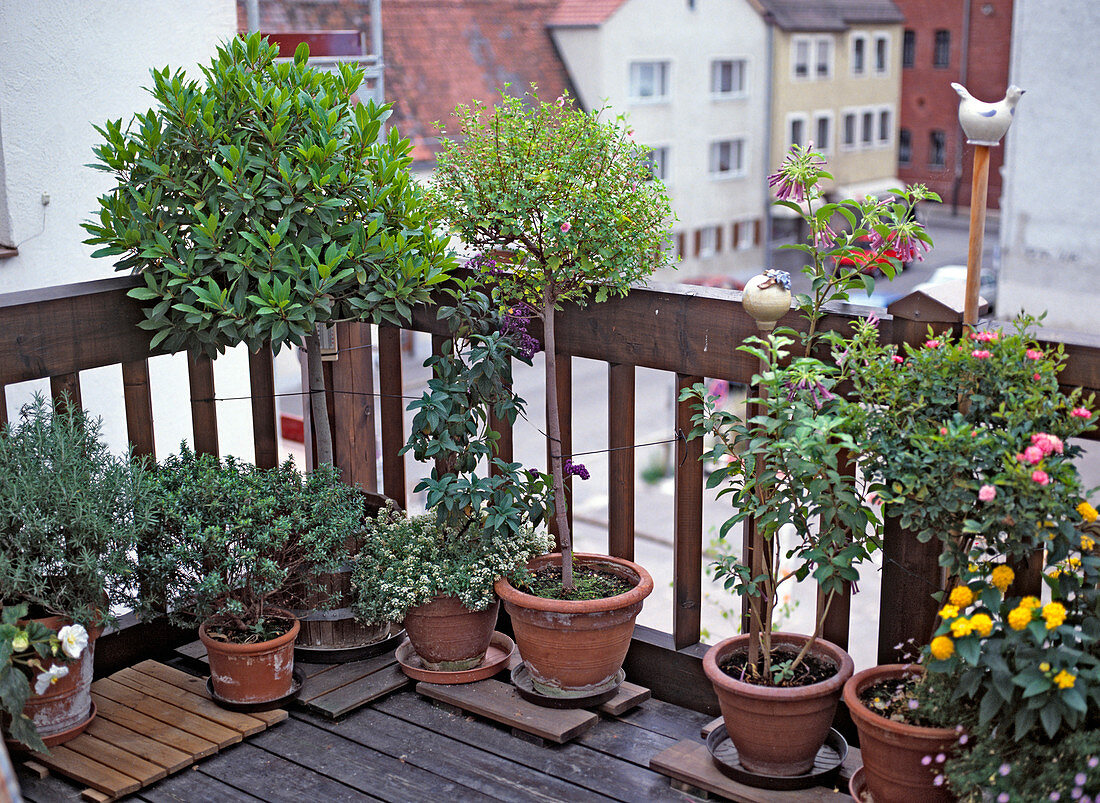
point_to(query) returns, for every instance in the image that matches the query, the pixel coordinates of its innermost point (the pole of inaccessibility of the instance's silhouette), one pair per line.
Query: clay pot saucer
(521, 679)
(827, 762)
(298, 679)
(53, 740)
(496, 658)
(857, 787)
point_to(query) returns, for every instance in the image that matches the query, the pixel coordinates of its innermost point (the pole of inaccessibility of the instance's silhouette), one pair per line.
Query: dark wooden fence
(692, 332)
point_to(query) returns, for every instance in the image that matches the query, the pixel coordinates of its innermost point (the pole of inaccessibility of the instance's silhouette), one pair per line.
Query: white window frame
(633, 88)
(808, 42)
(708, 250)
(733, 94)
(826, 114)
(664, 173)
(860, 38)
(829, 42)
(738, 172)
(868, 133)
(745, 243)
(798, 117)
(854, 144)
(889, 141)
(885, 69)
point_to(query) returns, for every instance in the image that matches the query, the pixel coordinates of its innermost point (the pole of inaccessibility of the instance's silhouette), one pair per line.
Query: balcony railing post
(687, 570)
(392, 408)
(620, 480)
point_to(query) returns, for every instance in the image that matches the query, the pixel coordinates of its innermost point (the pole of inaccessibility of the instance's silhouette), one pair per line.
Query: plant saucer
(496, 658)
(299, 679)
(521, 679)
(826, 764)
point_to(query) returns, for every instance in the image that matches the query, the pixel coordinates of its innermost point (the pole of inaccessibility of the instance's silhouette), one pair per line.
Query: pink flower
(987, 493)
(1033, 454)
(1020, 458)
(899, 359)
(1080, 412)
(565, 227)
(1034, 354)
(1040, 477)
(984, 337)
(1047, 443)
(980, 354)
(943, 430)
(932, 344)
(1036, 377)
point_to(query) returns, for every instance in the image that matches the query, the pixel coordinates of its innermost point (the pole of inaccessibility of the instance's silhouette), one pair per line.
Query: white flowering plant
(406, 561)
(31, 652)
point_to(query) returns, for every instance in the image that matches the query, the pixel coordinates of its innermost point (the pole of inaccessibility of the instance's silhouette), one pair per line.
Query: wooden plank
(690, 762)
(621, 741)
(195, 787)
(275, 779)
(392, 408)
(163, 755)
(347, 698)
(353, 405)
(261, 381)
(910, 575)
(189, 701)
(204, 416)
(687, 580)
(92, 796)
(709, 727)
(174, 715)
(84, 770)
(620, 440)
(341, 675)
(138, 399)
(66, 386)
(505, 447)
(111, 755)
(627, 697)
(155, 729)
(675, 676)
(501, 702)
(197, 686)
(666, 719)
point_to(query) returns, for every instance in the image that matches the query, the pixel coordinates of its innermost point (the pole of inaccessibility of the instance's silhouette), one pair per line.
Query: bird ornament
(985, 123)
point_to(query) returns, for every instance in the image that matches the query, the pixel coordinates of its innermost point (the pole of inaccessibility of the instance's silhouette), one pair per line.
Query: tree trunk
(553, 427)
(319, 404)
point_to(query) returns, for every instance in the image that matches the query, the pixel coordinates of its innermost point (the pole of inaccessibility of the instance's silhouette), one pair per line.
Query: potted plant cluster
(785, 464)
(437, 571)
(969, 443)
(229, 541)
(70, 514)
(562, 204)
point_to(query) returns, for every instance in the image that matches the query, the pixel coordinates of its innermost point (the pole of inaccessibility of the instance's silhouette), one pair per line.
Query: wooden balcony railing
(692, 332)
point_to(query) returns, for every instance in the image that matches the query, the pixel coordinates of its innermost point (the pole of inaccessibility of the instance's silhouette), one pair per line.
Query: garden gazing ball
(767, 298)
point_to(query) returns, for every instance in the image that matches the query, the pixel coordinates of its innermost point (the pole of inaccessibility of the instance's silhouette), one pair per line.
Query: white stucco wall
(599, 59)
(1050, 222)
(64, 66)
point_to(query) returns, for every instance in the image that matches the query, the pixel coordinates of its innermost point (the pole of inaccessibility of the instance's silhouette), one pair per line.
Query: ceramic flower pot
(448, 636)
(252, 673)
(777, 730)
(575, 646)
(894, 752)
(64, 709)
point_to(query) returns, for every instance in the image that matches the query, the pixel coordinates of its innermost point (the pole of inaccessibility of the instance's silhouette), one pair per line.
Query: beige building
(836, 82)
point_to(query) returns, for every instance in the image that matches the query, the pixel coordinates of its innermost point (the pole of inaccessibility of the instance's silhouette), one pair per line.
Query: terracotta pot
(892, 751)
(778, 730)
(576, 646)
(448, 636)
(252, 673)
(65, 709)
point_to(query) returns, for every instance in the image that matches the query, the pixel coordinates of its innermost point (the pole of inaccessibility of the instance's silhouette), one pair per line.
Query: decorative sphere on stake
(767, 298)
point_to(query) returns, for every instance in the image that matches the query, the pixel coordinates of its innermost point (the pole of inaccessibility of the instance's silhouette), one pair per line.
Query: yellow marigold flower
(1087, 543)
(1054, 574)
(961, 596)
(981, 624)
(961, 627)
(1018, 618)
(1030, 602)
(948, 612)
(942, 648)
(1044, 667)
(1065, 680)
(1002, 577)
(1088, 512)
(1054, 613)
(1074, 563)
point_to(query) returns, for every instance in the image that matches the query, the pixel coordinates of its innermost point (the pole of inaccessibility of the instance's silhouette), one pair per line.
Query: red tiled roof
(582, 13)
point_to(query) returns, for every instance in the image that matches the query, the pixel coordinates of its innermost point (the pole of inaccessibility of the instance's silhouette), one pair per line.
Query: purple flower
(1055, 795)
(926, 760)
(908, 247)
(940, 758)
(1093, 762)
(514, 327)
(913, 705)
(1005, 769)
(578, 469)
(938, 780)
(1003, 797)
(1079, 779)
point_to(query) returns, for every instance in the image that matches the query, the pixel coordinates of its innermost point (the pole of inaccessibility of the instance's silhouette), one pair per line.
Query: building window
(649, 80)
(859, 55)
(941, 56)
(796, 126)
(657, 162)
(882, 54)
(885, 127)
(823, 64)
(727, 157)
(936, 146)
(849, 129)
(727, 78)
(823, 132)
(744, 235)
(708, 241)
(819, 49)
(909, 49)
(905, 146)
(801, 58)
(867, 129)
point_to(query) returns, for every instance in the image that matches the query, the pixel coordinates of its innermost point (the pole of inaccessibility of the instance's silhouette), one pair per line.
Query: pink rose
(565, 227)
(1047, 443)
(1033, 454)
(943, 430)
(1036, 377)
(898, 359)
(932, 344)
(1040, 477)
(1034, 354)
(986, 493)
(1080, 412)
(980, 354)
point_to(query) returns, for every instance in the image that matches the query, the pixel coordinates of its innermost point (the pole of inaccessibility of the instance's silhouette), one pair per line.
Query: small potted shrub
(437, 571)
(785, 465)
(70, 512)
(563, 205)
(229, 540)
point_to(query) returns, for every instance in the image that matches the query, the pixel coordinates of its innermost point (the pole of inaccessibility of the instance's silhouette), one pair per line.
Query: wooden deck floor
(404, 748)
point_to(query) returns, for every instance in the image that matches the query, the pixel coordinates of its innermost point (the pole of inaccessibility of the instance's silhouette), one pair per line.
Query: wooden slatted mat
(152, 721)
(331, 690)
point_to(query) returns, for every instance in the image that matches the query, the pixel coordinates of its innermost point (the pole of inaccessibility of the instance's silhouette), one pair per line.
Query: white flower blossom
(49, 677)
(74, 639)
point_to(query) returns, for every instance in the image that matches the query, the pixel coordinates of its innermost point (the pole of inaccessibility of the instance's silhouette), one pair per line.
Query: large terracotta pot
(892, 751)
(448, 636)
(777, 730)
(252, 673)
(575, 646)
(64, 710)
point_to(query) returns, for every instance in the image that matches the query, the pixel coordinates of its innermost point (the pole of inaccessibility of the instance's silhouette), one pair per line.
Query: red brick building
(967, 41)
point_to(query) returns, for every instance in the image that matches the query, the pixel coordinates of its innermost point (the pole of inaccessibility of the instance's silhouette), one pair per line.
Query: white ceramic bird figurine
(985, 123)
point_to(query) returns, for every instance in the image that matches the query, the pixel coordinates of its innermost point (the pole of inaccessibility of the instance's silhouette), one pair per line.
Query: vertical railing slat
(835, 628)
(505, 443)
(204, 416)
(620, 440)
(66, 385)
(138, 398)
(353, 406)
(261, 378)
(687, 581)
(564, 378)
(392, 411)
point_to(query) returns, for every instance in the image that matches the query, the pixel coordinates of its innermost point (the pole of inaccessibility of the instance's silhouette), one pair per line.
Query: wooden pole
(979, 188)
